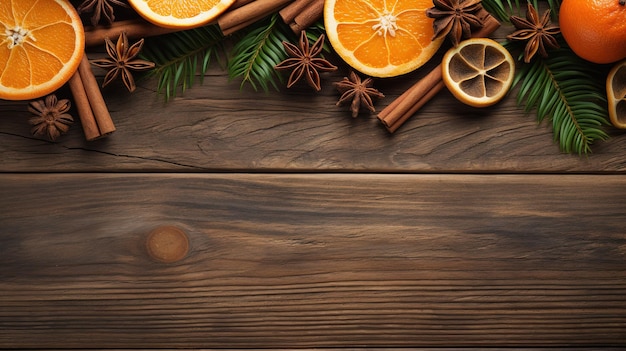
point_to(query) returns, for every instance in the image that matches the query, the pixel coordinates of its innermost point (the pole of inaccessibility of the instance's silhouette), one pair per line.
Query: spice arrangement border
(261, 38)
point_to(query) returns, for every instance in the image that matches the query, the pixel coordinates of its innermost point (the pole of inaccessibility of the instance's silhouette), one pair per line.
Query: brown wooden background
(466, 228)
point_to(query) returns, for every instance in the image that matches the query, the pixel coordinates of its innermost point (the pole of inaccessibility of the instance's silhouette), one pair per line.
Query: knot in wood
(167, 244)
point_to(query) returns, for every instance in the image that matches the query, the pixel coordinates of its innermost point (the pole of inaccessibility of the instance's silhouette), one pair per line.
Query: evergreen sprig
(566, 90)
(257, 51)
(181, 56)
(562, 88)
(260, 49)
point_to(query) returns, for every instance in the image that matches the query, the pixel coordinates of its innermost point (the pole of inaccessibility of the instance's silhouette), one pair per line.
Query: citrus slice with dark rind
(616, 94)
(479, 72)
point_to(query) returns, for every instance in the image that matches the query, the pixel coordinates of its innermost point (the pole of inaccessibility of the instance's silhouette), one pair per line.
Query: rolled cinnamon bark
(87, 119)
(96, 101)
(231, 21)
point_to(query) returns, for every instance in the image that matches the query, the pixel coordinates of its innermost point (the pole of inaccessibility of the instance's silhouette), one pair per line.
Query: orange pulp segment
(381, 38)
(180, 14)
(41, 45)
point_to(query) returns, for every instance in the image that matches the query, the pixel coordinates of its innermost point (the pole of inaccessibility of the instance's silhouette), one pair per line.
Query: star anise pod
(455, 18)
(51, 117)
(100, 8)
(359, 91)
(539, 32)
(304, 61)
(121, 60)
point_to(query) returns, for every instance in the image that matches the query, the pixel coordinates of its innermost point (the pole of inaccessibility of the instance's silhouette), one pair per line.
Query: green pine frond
(180, 56)
(570, 92)
(256, 53)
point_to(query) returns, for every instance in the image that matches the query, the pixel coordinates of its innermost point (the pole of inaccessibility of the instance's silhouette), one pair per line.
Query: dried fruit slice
(381, 38)
(41, 45)
(180, 14)
(479, 72)
(616, 94)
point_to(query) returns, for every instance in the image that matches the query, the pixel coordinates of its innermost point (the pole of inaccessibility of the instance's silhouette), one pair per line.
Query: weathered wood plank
(218, 127)
(316, 260)
(384, 349)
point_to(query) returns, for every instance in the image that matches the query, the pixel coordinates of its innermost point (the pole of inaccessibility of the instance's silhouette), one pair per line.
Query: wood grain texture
(318, 260)
(217, 127)
(376, 349)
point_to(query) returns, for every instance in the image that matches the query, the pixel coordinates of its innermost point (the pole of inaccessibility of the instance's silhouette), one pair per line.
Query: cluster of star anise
(457, 19)
(304, 62)
(122, 56)
(50, 114)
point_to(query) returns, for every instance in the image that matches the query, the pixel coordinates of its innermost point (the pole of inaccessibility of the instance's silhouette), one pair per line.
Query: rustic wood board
(313, 260)
(218, 127)
(377, 349)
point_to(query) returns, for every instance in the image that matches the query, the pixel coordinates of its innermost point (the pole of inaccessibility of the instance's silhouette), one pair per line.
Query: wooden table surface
(308, 228)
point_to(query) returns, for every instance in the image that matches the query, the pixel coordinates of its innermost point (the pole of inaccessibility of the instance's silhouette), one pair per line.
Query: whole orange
(595, 29)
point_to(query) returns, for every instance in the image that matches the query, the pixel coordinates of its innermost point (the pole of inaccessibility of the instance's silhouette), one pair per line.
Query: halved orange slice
(41, 45)
(616, 94)
(381, 38)
(180, 14)
(479, 72)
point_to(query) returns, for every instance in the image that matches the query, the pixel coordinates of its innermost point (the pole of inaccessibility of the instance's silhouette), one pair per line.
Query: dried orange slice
(479, 72)
(616, 94)
(180, 14)
(381, 38)
(41, 45)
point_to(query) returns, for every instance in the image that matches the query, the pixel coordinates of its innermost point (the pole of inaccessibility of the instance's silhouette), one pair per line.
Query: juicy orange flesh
(45, 48)
(618, 86)
(480, 71)
(357, 18)
(181, 8)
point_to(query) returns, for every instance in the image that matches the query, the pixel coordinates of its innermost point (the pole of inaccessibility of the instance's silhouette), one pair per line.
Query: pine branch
(257, 52)
(180, 56)
(260, 49)
(568, 91)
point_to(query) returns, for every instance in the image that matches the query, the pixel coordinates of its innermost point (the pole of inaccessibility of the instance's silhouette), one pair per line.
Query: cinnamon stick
(87, 119)
(92, 110)
(232, 21)
(289, 12)
(96, 101)
(239, 3)
(401, 109)
(309, 14)
(134, 28)
(407, 104)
